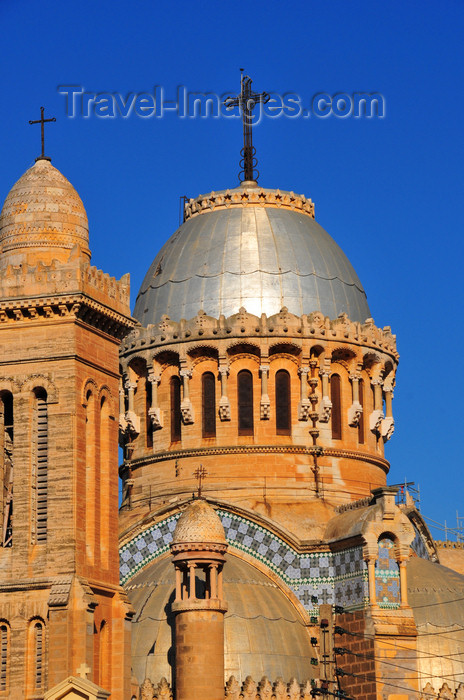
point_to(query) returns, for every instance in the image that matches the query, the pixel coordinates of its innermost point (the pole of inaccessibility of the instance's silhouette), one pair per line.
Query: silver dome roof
(253, 248)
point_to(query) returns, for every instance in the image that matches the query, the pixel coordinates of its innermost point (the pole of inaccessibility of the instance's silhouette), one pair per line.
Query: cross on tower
(247, 101)
(83, 670)
(42, 121)
(199, 474)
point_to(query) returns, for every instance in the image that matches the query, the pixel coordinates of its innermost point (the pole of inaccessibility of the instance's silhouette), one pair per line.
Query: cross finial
(42, 121)
(199, 474)
(247, 101)
(83, 670)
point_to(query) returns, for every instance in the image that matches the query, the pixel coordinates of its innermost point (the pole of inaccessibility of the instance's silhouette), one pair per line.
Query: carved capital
(354, 414)
(186, 373)
(154, 378)
(156, 418)
(303, 371)
(325, 410)
(387, 428)
(377, 382)
(132, 423)
(355, 377)
(223, 370)
(265, 408)
(264, 368)
(304, 409)
(128, 385)
(186, 410)
(324, 373)
(375, 420)
(224, 408)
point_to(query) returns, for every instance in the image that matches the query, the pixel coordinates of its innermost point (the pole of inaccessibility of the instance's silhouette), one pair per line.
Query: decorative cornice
(281, 327)
(256, 449)
(248, 196)
(75, 306)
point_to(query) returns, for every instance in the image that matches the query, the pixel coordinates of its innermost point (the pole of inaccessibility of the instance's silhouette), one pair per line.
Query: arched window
(361, 419)
(335, 397)
(176, 417)
(387, 575)
(4, 655)
(105, 467)
(245, 402)
(208, 400)
(104, 673)
(148, 400)
(90, 475)
(282, 402)
(41, 436)
(6, 474)
(38, 637)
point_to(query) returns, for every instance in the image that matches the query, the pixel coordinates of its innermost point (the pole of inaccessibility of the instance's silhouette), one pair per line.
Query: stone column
(186, 407)
(355, 410)
(199, 546)
(325, 409)
(304, 407)
(224, 403)
(403, 583)
(371, 579)
(265, 404)
(388, 423)
(376, 417)
(154, 411)
(130, 387)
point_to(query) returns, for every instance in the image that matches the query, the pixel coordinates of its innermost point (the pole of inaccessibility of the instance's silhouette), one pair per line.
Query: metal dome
(253, 248)
(435, 594)
(264, 634)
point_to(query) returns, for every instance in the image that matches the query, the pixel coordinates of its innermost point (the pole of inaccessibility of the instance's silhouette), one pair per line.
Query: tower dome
(199, 523)
(255, 248)
(43, 218)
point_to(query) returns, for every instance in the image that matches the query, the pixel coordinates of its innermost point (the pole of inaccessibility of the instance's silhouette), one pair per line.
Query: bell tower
(61, 322)
(198, 548)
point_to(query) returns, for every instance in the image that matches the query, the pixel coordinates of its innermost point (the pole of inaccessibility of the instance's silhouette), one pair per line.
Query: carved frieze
(354, 414)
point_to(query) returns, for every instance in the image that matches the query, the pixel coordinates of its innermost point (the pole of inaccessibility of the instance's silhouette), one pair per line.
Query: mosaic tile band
(339, 577)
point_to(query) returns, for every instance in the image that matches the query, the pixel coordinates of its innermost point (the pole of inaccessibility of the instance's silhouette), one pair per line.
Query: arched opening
(283, 403)
(90, 475)
(387, 574)
(176, 416)
(104, 670)
(105, 476)
(6, 474)
(245, 402)
(38, 655)
(208, 401)
(41, 466)
(148, 402)
(4, 655)
(361, 418)
(335, 398)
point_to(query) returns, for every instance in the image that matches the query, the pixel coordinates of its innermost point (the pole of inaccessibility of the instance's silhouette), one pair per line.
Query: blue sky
(388, 190)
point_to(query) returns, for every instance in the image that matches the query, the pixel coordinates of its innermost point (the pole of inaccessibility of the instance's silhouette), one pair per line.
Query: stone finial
(232, 689)
(163, 691)
(249, 689)
(147, 691)
(280, 689)
(294, 690)
(446, 692)
(265, 688)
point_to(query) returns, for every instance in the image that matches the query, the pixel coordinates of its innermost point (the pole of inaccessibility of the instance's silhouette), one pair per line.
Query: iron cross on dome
(247, 101)
(199, 474)
(42, 121)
